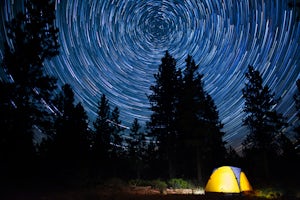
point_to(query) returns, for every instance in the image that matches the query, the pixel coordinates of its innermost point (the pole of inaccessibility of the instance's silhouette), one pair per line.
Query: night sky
(115, 46)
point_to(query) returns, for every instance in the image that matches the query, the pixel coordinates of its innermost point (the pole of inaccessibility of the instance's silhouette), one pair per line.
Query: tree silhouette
(184, 121)
(101, 144)
(64, 103)
(26, 89)
(116, 150)
(163, 105)
(82, 131)
(264, 123)
(136, 148)
(117, 129)
(198, 123)
(233, 157)
(297, 102)
(102, 128)
(69, 145)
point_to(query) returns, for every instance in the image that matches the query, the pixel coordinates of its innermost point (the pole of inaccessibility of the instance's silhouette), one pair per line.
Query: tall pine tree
(101, 142)
(116, 150)
(136, 149)
(263, 121)
(198, 124)
(163, 106)
(69, 146)
(117, 129)
(297, 128)
(26, 89)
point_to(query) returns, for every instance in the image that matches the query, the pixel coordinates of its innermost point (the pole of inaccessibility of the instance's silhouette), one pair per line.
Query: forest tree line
(183, 137)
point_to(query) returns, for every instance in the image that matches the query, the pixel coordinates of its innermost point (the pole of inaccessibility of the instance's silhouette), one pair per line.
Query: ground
(128, 193)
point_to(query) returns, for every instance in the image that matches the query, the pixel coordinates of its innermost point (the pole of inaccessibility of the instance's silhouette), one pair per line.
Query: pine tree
(117, 129)
(116, 151)
(163, 106)
(102, 128)
(81, 127)
(136, 148)
(26, 88)
(70, 144)
(294, 148)
(263, 121)
(233, 157)
(198, 123)
(297, 102)
(63, 141)
(101, 144)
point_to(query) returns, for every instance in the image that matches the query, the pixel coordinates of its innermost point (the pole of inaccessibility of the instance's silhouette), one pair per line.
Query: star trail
(115, 46)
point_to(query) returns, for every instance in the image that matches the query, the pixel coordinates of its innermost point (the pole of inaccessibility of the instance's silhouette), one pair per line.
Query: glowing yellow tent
(228, 179)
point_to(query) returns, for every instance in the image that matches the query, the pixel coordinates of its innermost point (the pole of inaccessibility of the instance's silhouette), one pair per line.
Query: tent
(228, 179)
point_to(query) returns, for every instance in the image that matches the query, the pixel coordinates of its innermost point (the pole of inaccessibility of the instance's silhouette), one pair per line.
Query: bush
(269, 193)
(178, 183)
(159, 184)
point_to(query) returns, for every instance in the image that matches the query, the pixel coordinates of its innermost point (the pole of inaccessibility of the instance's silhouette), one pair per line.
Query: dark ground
(112, 193)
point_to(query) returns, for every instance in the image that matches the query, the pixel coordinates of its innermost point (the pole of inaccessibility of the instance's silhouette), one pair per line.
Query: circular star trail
(114, 47)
